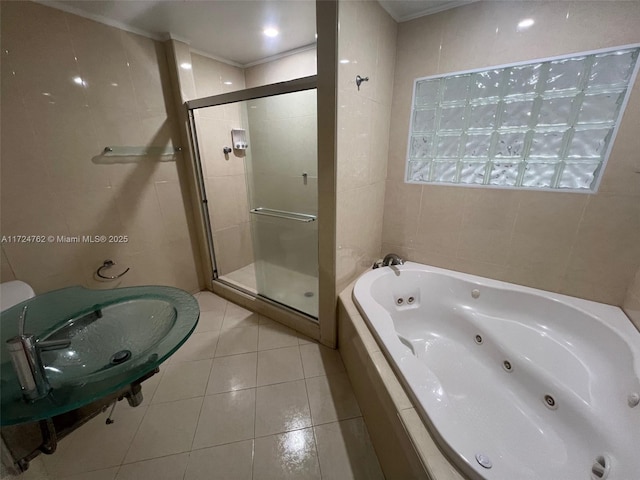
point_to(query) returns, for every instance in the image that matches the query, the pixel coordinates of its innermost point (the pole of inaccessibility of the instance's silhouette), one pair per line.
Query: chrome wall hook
(106, 265)
(360, 79)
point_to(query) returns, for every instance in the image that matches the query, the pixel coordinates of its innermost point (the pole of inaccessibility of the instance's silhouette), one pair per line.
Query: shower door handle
(269, 212)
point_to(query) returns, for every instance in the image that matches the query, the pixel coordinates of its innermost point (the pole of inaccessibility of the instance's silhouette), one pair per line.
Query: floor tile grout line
(283, 381)
(253, 457)
(195, 430)
(198, 449)
(232, 354)
(133, 437)
(339, 420)
(53, 476)
(140, 425)
(255, 404)
(277, 348)
(350, 387)
(206, 386)
(150, 459)
(184, 474)
(151, 402)
(161, 376)
(313, 430)
(304, 371)
(315, 442)
(313, 425)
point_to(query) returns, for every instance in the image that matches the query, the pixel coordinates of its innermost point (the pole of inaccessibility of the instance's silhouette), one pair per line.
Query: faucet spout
(46, 345)
(24, 350)
(392, 259)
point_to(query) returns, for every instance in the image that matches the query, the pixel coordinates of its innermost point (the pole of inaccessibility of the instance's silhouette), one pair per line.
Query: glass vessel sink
(115, 337)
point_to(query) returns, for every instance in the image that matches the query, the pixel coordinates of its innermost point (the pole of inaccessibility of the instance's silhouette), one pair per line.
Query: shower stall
(256, 163)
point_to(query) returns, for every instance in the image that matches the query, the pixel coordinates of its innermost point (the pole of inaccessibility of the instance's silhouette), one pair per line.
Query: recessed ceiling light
(79, 81)
(344, 60)
(228, 83)
(526, 23)
(271, 32)
(185, 65)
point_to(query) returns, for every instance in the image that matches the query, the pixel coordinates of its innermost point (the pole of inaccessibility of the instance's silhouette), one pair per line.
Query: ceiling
(403, 10)
(226, 29)
(229, 30)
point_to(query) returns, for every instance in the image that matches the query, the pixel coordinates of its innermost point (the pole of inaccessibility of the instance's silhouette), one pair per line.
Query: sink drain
(309, 294)
(550, 402)
(600, 468)
(120, 357)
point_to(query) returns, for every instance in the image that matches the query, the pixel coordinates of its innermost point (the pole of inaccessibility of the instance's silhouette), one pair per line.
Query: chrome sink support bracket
(49, 436)
(110, 420)
(133, 395)
(52, 429)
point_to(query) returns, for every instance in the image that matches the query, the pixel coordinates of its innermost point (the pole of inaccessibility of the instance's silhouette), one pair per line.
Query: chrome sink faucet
(392, 259)
(389, 259)
(24, 350)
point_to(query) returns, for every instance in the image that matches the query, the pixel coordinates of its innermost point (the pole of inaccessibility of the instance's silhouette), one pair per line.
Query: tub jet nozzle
(483, 460)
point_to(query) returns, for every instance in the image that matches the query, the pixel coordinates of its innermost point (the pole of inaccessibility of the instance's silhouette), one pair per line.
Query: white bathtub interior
(532, 385)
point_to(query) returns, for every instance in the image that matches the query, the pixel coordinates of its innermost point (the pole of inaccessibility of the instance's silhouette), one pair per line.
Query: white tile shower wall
(225, 179)
(578, 244)
(70, 87)
(366, 47)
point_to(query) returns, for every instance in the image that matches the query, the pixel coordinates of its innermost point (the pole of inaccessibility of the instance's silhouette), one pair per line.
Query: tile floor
(244, 398)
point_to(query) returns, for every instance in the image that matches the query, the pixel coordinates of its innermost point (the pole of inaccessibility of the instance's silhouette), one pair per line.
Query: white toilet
(14, 292)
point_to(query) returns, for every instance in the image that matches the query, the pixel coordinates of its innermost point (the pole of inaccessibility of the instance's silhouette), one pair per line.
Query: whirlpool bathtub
(514, 383)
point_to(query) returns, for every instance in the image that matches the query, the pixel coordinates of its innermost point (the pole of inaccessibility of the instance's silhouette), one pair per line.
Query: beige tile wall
(298, 65)
(631, 304)
(366, 47)
(225, 178)
(6, 272)
(582, 245)
(52, 128)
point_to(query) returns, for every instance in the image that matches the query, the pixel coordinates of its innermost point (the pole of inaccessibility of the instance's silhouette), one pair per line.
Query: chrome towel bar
(269, 212)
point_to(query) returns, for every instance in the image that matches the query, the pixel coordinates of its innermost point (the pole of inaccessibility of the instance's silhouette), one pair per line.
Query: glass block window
(547, 124)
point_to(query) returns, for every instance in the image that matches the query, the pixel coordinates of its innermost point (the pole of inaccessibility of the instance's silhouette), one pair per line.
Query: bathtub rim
(617, 320)
(434, 462)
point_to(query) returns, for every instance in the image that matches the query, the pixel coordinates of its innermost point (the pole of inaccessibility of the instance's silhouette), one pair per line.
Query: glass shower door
(260, 191)
(281, 168)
